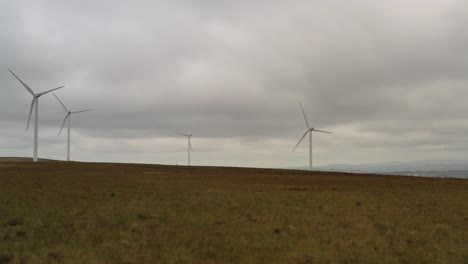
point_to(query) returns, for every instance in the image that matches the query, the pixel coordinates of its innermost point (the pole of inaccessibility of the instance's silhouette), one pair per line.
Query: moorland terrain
(58, 212)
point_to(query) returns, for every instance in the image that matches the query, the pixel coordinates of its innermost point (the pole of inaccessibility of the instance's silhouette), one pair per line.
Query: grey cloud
(234, 71)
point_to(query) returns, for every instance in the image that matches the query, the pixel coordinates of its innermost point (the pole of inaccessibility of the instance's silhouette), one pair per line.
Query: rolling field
(57, 212)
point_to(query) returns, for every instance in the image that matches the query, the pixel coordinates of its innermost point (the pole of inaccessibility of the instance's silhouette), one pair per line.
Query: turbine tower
(189, 136)
(308, 131)
(68, 117)
(35, 105)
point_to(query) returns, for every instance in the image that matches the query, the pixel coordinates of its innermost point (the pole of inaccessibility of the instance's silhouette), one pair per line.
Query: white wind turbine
(189, 136)
(35, 102)
(309, 131)
(68, 117)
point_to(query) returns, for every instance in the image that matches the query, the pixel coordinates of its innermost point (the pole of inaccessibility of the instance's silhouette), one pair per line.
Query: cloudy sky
(389, 78)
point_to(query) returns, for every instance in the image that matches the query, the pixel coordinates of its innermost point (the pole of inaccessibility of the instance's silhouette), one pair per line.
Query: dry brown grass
(55, 212)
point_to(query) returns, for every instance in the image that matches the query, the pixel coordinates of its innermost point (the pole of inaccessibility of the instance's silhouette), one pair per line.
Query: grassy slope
(116, 213)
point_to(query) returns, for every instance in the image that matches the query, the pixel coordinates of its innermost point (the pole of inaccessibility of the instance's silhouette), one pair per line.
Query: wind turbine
(68, 117)
(308, 131)
(188, 135)
(35, 102)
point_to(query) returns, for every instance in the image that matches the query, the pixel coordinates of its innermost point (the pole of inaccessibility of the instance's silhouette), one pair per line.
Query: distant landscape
(434, 169)
(59, 212)
(438, 168)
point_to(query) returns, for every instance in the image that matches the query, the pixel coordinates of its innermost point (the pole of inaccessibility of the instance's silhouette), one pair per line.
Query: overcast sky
(389, 78)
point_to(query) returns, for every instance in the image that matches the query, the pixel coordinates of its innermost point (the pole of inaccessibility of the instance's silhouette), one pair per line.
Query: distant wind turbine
(189, 136)
(68, 117)
(35, 102)
(308, 131)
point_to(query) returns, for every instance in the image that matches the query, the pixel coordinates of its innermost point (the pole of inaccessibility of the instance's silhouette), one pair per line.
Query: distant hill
(21, 159)
(439, 168)
(430, 165)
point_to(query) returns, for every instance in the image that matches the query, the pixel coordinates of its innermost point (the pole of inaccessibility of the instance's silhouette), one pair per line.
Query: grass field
(56, 212)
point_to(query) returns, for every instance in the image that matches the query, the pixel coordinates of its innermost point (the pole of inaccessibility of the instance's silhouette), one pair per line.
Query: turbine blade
(23, 83)
(82, 111)
(51, 90)
(64, 107)
(30, 112)
(305, 117)
(316, 130)
(302, 138)
(190, 132)
(182, 134)
(64, 120)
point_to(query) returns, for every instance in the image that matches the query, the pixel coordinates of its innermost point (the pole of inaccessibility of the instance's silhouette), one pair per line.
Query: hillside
(58, 212)
(19, 159)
